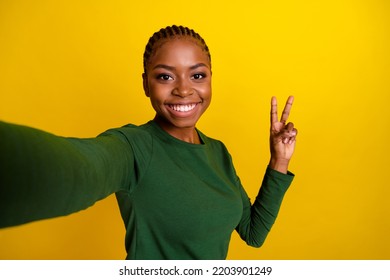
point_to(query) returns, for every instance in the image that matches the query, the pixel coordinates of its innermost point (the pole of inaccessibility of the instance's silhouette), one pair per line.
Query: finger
(286, 110)
(289, 133)
(274, 110)
(289, 127)
(292, 139)
(289, 140)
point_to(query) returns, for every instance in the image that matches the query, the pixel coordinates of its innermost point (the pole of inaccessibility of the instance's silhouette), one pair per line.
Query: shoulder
(131, 133)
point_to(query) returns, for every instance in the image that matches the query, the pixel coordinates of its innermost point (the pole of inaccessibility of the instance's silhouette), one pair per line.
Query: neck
(186, 134)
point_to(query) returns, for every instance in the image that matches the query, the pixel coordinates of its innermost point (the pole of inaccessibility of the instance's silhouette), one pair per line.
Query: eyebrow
(171, 68)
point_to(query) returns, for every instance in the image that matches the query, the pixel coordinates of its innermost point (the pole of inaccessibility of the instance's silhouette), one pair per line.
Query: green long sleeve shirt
(177, 200)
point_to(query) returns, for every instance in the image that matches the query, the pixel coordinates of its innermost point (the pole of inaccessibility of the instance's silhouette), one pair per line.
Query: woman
(177, 189)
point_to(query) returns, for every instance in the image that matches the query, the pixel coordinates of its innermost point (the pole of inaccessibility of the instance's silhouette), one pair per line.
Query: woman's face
(178, 83)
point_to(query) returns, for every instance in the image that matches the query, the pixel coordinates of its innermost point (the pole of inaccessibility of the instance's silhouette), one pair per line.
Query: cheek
(158, 91)
(205, 91)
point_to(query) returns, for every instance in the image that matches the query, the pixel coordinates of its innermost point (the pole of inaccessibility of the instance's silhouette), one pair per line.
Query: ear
(145, 84)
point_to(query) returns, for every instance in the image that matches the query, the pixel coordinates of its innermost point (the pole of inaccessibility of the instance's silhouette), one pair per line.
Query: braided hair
(171, 32)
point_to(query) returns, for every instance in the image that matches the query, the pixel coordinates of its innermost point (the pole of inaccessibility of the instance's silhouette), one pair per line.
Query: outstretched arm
(44, 176)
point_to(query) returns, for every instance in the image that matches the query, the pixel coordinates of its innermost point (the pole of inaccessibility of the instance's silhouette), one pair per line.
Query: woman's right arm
(44, 176)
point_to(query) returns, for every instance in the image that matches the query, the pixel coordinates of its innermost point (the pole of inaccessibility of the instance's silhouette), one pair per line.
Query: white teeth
(183, 108)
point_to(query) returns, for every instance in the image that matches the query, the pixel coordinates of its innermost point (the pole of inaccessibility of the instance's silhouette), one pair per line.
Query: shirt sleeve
(44, 176)
(258, 218)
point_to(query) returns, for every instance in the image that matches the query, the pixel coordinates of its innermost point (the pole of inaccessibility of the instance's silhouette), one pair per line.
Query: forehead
(179, 50)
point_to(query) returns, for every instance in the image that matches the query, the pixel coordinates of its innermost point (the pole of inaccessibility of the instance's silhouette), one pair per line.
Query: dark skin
(282, 136)
(178, 82)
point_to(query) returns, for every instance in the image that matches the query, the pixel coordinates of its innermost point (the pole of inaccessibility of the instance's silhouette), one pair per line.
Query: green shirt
(178, 200)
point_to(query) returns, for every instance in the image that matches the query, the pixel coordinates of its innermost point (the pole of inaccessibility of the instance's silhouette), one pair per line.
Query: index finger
(274, 110)
(286, 110)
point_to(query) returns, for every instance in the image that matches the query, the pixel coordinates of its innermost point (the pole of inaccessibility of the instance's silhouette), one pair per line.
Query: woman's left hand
(282, 136)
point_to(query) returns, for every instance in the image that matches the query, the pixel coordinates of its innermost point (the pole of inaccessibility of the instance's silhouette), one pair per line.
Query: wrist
(280, 165)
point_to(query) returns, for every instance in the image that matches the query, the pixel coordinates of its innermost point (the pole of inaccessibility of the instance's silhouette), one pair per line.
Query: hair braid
(171, 32)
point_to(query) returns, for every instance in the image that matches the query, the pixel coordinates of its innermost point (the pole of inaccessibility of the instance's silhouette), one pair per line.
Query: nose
(183, 88)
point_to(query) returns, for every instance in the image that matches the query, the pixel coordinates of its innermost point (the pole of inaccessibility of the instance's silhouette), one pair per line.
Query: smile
(182, 108)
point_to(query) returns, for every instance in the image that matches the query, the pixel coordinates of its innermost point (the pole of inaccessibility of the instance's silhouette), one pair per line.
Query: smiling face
(178, 83)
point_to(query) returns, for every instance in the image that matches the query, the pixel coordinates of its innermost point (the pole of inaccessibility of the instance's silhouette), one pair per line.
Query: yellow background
(74, 68)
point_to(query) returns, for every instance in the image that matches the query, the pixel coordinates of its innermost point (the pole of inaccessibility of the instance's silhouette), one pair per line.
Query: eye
(164, 77)
(198, 76)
